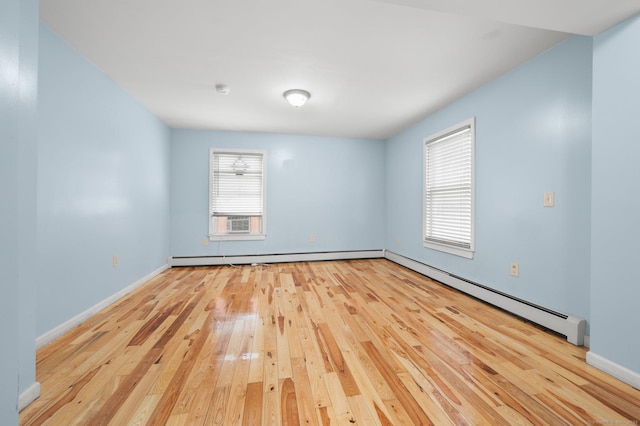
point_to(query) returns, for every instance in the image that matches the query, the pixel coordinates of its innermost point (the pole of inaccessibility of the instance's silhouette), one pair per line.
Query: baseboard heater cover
(273, 258)
(570, 326)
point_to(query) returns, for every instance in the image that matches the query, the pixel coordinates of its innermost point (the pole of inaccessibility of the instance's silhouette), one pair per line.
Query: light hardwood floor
(348, 342)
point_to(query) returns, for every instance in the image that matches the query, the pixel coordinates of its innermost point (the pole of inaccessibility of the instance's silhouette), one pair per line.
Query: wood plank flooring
(326, 343)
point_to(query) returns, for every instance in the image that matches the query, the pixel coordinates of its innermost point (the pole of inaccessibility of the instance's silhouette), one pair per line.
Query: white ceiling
(373, 67)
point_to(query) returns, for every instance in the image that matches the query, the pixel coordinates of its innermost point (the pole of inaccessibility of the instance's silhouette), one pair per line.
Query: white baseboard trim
(274, 258)
(568, 325)
(621, 373)
(58, 331)
(28, 396)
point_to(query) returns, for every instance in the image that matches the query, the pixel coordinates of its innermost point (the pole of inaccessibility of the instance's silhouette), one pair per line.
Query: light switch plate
(549, 199)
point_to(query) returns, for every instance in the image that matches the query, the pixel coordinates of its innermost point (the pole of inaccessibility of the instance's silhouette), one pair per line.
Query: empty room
(373, 212)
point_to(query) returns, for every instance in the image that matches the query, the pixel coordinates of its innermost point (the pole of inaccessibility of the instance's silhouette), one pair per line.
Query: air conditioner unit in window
(238, 224)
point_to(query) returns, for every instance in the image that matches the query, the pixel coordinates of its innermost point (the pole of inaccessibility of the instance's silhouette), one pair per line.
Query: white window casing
(448, 205)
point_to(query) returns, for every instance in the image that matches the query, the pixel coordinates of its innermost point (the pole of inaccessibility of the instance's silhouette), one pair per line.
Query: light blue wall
(616, 195)
(9, 214)
(533, 134)
(103, 182)
(18, 142)
(29, 31)
(330, 187)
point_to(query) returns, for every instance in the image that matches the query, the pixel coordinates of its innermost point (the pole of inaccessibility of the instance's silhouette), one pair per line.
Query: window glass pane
(237, 184)
(448, 197)
(237, 194)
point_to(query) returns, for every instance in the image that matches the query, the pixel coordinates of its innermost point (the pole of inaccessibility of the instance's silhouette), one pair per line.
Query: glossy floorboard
(348, 342)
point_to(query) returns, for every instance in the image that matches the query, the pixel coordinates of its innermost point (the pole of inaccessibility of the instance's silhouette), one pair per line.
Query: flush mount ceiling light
(296, 97)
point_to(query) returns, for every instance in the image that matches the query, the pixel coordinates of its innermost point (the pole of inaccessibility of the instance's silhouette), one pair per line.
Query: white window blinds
(237, 184)
(449, 188)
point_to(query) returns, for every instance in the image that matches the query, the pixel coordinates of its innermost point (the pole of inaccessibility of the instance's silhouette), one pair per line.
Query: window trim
(443, 247)
(234, 236)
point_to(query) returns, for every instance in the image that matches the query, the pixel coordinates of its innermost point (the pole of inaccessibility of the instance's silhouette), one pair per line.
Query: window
(236, 196)
(448, 190)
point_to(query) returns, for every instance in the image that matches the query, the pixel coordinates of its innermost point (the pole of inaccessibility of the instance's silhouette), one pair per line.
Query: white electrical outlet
(312, 238)
(515, 269)
(115, 261)
(549, 199)
(205, 241)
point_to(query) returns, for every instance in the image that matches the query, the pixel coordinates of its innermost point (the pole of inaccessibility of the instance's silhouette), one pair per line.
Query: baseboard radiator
(273, 258)
(570, 326)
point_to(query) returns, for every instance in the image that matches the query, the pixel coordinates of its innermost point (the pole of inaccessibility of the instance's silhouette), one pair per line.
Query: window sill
(238, 237)
(468, 254)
